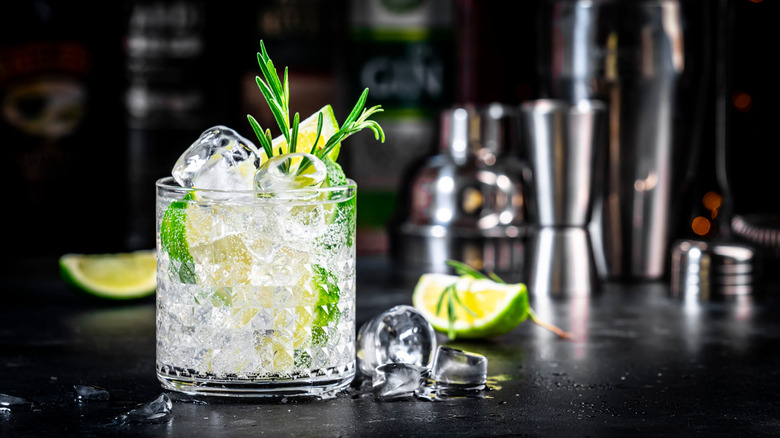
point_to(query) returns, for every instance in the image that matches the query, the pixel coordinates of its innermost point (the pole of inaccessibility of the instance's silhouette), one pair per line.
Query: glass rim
(169, 183)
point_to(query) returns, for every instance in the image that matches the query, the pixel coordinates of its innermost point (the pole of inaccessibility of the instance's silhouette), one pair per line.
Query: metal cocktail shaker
(468, 202)
(635, 56)
(564, 145)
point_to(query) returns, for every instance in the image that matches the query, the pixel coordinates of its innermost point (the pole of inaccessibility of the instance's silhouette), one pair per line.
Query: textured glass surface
(256, 291)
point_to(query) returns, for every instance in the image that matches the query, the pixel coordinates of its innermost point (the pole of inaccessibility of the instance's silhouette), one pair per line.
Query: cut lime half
(120, 276)
(483, 308)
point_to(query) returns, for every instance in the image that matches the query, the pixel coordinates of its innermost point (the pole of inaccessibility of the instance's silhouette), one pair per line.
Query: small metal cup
(562, 144)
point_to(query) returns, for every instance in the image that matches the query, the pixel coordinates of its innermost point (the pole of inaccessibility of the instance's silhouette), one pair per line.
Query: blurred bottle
(404, 52)
(307, 37)
(496, 51)
(748, 98)
(61, 127)
(182, 77)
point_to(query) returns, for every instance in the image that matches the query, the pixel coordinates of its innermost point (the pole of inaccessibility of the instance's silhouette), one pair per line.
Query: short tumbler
(255, 290)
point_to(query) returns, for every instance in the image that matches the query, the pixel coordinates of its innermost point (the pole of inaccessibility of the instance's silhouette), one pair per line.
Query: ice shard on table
(156, 411)
(9, 402)
(90, 392)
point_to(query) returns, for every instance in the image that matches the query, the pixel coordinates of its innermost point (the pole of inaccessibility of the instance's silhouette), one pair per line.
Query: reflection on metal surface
(561, 263)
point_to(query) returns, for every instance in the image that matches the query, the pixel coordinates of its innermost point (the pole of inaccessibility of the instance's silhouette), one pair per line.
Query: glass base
(316, 386)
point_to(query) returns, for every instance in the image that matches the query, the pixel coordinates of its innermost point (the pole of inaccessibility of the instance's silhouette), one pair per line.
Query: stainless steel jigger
(564, 142)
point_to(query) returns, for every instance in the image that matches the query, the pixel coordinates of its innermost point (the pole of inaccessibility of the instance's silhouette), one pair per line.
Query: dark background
(91, 189)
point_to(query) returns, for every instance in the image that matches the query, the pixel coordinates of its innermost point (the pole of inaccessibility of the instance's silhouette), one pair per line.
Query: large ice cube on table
(219, 159)
(398, 380)
(457, 367)
(398, 335)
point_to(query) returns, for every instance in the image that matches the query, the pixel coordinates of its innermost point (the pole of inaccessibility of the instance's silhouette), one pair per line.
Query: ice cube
(398, 380)
(219, 159)
(398, 335)
(457, 367)
(90, 392)
(293, 171)
(156, 411)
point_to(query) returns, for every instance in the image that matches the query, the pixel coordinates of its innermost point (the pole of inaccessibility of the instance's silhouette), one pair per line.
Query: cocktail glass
(255, 290)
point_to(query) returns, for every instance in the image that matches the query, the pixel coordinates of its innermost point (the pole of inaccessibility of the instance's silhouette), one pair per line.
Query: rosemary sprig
(277, 95)
(450, 293)
(357, 120)
(319, 133)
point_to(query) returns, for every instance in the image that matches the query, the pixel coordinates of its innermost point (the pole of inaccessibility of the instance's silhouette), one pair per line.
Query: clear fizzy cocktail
(256, 256)
(265, 300)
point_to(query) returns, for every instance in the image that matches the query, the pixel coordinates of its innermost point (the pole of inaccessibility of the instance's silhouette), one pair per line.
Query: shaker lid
(712, 270)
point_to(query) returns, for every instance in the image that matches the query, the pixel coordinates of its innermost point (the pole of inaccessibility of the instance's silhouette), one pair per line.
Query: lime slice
(493, 308)
(173, 240)
(307, 132)
(121, 276)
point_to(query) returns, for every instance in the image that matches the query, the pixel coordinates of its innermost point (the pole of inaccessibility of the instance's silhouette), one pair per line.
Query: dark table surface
(644, 365)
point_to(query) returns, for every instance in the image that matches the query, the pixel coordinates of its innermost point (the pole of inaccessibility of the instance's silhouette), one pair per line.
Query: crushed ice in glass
(398, 380)
(219, 159)
(90, 392)
(281, 172)
(156, 411)
(398, 335)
